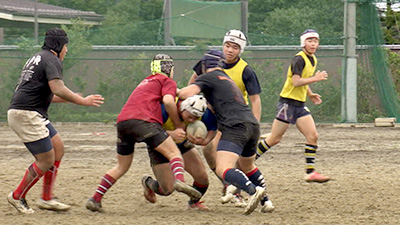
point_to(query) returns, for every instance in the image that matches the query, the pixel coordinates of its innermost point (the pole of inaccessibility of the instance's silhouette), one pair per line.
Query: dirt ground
(363, 160)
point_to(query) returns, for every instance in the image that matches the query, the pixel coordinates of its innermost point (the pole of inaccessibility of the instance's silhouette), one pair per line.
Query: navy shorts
(131, 132)
(42, 145)
(289, 113)
(241, 139)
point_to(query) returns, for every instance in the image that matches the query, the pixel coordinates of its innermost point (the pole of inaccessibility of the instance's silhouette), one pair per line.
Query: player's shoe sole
(186, 189)
(149, 194)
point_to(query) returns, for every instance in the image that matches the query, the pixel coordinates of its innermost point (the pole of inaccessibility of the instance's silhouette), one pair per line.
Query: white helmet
(195, 105)
(237, 37)
(309, 33)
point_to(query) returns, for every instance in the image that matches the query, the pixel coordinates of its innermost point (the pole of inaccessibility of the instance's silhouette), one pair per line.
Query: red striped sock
(32, 175)
(176, 165)
(48, 181)
(103, 187)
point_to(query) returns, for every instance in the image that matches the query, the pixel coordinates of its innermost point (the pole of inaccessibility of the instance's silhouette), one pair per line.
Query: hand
(196, 140)
(315, 98)
(93, 100)
(178, 135)
(321, 75)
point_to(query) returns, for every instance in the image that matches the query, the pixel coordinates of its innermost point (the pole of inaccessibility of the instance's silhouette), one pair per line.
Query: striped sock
(106, 182)
(48, 181)
(176, 165)
(257, 178)
(32, 175)
(239, 179)
(262, 148)
(310, 153)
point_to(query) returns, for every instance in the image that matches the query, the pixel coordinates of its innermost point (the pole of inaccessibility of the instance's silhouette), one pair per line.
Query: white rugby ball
(197, 129)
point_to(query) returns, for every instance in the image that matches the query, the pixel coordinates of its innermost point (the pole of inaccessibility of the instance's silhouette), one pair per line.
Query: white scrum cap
(195, 105)
(309, 33)
(237, 37)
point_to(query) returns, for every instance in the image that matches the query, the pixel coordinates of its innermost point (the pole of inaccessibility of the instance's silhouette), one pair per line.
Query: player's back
(225, 98)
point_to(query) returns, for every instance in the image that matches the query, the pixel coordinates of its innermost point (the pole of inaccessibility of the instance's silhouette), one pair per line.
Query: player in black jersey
(240, 129)
(40, 84)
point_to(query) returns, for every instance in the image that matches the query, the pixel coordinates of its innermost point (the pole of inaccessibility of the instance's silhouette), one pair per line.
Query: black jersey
(225, 98)
(248, 76)
(33, 91)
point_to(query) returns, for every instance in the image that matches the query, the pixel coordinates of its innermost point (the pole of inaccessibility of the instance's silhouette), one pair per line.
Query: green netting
(204, 19)
(115, 71)
(371, 35)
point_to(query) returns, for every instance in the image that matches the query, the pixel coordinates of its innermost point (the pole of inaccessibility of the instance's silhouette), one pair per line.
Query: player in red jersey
(140, 120)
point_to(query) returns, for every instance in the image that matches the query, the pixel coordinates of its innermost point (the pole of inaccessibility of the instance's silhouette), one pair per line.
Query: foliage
(394, 65)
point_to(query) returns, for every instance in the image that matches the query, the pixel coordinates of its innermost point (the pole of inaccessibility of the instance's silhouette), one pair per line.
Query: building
(17, 18)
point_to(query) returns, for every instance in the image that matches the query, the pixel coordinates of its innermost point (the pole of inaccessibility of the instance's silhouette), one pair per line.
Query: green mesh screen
(371, 35)
(204, 19)
(118, 63)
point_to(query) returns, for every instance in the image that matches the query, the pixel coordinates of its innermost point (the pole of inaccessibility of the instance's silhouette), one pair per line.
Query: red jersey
(145, 101)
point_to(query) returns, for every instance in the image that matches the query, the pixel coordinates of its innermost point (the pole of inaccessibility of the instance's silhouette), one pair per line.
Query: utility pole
(167, 22)
(245, 9)
(36, 24)
(349, 64)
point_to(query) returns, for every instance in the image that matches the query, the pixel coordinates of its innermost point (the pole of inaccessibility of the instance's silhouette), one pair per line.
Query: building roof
(24, 10)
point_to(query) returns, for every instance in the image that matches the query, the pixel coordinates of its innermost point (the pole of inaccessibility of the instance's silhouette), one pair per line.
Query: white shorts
(29, 125)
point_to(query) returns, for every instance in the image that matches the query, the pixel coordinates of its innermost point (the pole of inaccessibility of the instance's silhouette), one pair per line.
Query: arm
(59, 89)
(57, 99)
(192, 78)
(256, 106)
(170, 107)
(297, 80)
(188, 91)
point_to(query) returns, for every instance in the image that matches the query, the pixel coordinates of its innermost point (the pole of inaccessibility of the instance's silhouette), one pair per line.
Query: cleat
(186, 189)
(267, 207)
(19, 204)
(228, 197)
(239, 201)
(198, 206)
(228, 193)
(232, 195)
(94, 206)
(316, 177)
(147, 192)
(53, 204)
(254, 200)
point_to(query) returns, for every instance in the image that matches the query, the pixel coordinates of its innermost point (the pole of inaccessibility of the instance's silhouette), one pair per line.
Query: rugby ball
(197, 129)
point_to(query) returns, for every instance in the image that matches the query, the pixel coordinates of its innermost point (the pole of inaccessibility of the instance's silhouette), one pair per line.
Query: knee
(312, 138)
(202, 178)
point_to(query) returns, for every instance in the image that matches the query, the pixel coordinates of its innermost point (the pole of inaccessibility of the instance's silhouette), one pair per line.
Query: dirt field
(364, 162)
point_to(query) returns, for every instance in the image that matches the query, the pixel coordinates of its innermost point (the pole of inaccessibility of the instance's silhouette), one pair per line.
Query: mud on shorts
(288, 111)
(241, 139)
(131, 132)
(34, 130)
